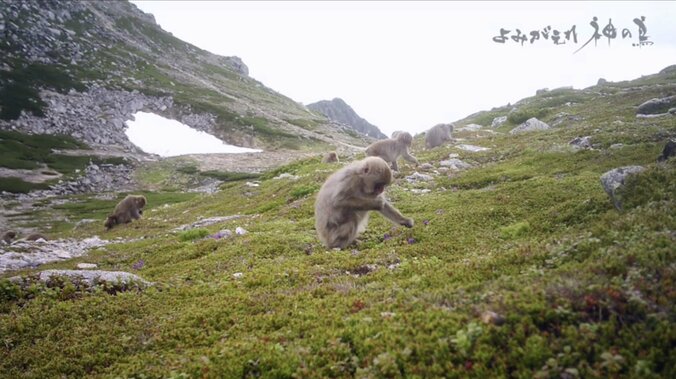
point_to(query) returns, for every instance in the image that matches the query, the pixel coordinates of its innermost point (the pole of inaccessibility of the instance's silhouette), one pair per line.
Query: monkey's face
(141, 202)
(405, 138)
(376, 175)
(110, 222)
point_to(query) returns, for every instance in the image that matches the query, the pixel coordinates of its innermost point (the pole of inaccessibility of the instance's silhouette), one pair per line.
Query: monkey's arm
(136, 213)
(363, 203)
(409, 157)
(395, 216)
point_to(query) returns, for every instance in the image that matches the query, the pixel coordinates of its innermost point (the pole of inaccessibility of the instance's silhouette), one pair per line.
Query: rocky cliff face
(82, 68)
(337, 110)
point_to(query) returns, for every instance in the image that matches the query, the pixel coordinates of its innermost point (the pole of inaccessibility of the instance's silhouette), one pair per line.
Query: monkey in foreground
(36, 236)
(126, 210)
(437, 135)
(9, 236)
(330, 157)
(391, 149)
(344, 201)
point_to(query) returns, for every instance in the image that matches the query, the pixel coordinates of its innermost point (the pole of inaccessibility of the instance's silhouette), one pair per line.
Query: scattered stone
(617, 146)
(470, 128)
(419, 191)
(238, 275)
(253, 184)
(453, 155)
(472, 148)
(668, 151)
(88, 278)
(387, 315)
(490, 317)
(207, 222)
(86, 266)
(498, 121)
(223, 234)
(614, 179)
(455, 164)
(532, 124)
(418, 177)
(580, 143)
(426, 167)
(286, 175)
(657, 106)
(240, 231)
(26, 254)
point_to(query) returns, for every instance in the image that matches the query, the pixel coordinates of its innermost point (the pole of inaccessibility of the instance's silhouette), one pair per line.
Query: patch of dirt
(38, 175)
(247, 162)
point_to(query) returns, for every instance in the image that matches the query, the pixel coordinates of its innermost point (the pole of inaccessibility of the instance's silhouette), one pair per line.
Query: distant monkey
(131, 208)
(344, 201)
(668, 151)
(437, 135)
(9, 236)
(391, 149)
(36, 236)
(330, 157)
(396, 133)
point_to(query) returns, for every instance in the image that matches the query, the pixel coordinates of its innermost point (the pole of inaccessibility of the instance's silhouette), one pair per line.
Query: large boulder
(657, 106)
(532, 124)
(614, 179)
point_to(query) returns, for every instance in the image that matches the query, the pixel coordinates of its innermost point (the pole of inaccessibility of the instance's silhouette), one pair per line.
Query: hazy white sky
(177, 138)
(409, 65)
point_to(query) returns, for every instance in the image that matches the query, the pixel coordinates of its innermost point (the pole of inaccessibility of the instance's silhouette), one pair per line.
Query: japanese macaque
(396, 133)
(330, 157)
(344, 201)
(668, 151)
(437, 135)
(131, 208)
(391, 149)
(9, 236)
(36, 236)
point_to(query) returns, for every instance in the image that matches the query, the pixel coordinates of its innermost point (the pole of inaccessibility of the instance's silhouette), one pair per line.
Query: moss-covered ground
(528, 232)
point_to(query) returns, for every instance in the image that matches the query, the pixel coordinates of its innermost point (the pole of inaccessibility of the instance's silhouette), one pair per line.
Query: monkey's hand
(408, 223)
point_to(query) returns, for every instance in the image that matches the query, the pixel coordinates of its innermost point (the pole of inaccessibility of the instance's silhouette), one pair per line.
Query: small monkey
(131, 208)
(391, 149)
(36, 236)
(344, 201)
(437, 135)
(330, 157)
(9, 236)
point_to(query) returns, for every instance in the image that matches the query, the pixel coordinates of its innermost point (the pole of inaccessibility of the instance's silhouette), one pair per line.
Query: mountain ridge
(338, 110)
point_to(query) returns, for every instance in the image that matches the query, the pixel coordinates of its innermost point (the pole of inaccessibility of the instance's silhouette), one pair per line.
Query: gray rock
(472, 148)
(498, 121)
(426, 167)
(471, 128)
(601, 81)
(657, 106)
(615, 179)
(89, 278)
(532, 124)
(617, 146)
(455, 164)
(418, 177)
(581, 142)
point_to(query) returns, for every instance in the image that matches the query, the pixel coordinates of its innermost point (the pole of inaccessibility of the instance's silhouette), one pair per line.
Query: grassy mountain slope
(63, 45)
(527, 233)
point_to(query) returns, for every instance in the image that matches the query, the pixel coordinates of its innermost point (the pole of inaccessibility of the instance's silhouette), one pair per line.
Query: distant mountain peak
(338, 110)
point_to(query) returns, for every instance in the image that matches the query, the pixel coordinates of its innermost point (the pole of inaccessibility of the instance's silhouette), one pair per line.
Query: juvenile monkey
(330, 157)
(344, 201)
(9, 236)
(437, 135)
(131, 208)
(391, 149)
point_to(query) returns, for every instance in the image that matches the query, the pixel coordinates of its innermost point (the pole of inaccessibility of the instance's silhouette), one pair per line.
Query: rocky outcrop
(498, 121)
(657, 106)
(337, 110)
(532, 124)
(27, 254)
(116, 280)
(614, 179)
